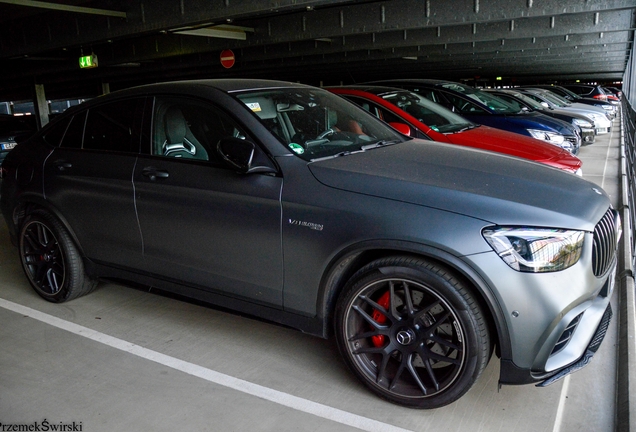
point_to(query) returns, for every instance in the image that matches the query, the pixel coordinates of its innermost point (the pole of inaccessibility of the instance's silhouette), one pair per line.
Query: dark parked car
(483, 108)
(14, 129)
(521, 100)
(587, 91)
(287, 202)
(613, 95)
(618, 93)
(426, 119)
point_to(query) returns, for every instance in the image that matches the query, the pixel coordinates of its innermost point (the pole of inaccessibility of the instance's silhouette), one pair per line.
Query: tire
(412, 332)
(51, 261)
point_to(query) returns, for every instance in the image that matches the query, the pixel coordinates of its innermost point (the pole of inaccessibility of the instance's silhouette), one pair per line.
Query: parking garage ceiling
(311, 41)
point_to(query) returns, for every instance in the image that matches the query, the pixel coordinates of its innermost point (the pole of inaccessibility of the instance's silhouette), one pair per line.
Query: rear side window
(113, 127)
(74, 132)
(55, 133)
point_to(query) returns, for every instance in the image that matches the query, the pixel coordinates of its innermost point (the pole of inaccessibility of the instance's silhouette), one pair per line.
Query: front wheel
(50, 259)
(412, 332)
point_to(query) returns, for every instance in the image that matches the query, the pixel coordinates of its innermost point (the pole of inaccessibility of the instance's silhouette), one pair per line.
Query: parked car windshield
(430, 113)
(492, 102)
(315, 123)
(556, 99)
(528, 101)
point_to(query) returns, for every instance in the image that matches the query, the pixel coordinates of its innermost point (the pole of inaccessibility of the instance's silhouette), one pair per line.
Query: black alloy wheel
(412, 332)
(51, 261)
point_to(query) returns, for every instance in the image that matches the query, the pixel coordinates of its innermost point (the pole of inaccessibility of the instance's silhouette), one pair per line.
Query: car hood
(543, 121)
(586, 107)
(487, 138)
(489, 186)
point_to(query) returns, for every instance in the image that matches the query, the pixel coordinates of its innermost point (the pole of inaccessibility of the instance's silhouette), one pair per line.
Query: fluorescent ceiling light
(66, 8)
(221, 31)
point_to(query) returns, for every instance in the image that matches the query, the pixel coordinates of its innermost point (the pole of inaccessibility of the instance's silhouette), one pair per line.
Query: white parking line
(607, 155)
(558, 421)
(247, 387)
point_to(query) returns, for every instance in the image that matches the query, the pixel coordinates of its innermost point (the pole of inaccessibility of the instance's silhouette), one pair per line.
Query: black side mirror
(243, 156)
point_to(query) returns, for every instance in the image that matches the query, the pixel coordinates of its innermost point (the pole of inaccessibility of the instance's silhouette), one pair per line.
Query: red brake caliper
(378, 340)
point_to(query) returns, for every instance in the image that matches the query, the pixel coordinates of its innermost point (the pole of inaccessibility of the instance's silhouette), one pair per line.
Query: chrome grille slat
(605, 241)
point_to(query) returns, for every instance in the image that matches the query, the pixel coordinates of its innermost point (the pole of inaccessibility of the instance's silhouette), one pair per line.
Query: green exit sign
(89, 61)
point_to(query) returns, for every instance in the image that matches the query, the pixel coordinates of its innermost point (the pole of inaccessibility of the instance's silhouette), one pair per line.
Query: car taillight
(600, 97)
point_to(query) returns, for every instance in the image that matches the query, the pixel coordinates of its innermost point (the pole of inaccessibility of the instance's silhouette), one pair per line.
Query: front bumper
(588, 136)
(589, 352)
(552, 318)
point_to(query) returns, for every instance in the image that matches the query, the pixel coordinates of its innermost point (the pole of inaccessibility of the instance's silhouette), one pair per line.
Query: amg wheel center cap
(405, 337)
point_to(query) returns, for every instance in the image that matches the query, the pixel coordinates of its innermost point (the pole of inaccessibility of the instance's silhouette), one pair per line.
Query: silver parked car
(290, 203)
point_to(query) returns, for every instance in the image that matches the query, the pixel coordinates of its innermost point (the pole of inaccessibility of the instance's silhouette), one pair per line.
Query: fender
(32, 200)
(355, 256)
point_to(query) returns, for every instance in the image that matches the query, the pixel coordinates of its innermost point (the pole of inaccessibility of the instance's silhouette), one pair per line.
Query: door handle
(153, 173)
(62, 165)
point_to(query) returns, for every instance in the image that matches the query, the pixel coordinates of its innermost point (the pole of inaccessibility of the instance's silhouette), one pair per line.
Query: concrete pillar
(41, 107)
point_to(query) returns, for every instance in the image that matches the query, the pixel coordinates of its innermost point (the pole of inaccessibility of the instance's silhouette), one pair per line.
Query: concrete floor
(121, 359)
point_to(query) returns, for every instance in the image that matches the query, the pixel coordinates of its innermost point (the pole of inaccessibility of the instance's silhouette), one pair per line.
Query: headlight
(536, 250)
(582, 123)
(550, 137)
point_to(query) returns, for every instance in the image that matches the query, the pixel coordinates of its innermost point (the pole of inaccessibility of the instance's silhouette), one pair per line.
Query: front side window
(314, 123)
(190, 129)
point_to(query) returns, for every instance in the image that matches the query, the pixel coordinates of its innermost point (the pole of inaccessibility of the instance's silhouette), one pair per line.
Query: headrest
(175, 125)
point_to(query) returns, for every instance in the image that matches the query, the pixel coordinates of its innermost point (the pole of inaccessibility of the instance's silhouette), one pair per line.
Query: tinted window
(110, 127)
(55, 133)
(464, 106)
(74, 132)
(190, 129)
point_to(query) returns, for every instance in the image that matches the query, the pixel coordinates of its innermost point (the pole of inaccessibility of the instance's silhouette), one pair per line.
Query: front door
(201, 222)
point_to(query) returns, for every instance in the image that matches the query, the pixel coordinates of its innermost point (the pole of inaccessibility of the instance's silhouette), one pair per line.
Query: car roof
(431, 82)
(377, 90)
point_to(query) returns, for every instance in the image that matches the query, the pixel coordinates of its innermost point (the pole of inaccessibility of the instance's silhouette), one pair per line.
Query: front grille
(574, 140)
(566, 335)
(606, 234)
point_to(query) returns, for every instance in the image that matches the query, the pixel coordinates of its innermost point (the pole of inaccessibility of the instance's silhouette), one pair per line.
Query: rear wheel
(50, 259)
(412, 332)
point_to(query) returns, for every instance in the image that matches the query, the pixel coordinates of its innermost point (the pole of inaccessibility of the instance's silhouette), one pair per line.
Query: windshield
(528, 101)
(430, 113)
(492, 102)
(570, 93)
(556, 99)
(315, 124)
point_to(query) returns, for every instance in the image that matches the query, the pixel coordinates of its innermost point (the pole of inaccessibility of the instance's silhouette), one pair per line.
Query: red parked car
(419, 117)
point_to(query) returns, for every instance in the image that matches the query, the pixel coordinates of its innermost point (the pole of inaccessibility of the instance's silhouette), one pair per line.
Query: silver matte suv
(287, 202)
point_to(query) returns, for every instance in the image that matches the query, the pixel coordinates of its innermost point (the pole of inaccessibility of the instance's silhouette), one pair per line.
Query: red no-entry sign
(227, 59)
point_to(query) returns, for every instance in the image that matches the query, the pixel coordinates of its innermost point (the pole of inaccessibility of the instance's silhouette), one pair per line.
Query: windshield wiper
(465, 128)
(342, 153)
(381, 143)
(361, 150)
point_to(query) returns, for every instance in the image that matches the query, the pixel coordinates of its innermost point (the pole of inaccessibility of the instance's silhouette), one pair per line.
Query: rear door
(89, 180)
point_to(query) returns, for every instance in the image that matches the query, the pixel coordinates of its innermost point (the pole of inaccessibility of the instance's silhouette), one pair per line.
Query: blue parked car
(483, 108)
